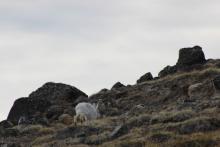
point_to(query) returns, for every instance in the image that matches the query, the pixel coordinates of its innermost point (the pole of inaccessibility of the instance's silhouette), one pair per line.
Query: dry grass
(198, 124)
(208, 139)
(172, 116)
(103, 121)
(42, 139)
(58, 125)
(46, 131)
(134, 137)
(197, 139)
(196, 74)
(31, 129)
(214, 111)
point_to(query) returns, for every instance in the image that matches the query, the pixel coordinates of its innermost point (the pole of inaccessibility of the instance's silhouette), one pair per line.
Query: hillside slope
(179, 108)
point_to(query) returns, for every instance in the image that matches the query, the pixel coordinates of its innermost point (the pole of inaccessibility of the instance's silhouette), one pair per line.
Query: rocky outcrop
(189, 59)
(217, 82)
(117, 85)
(190, 56)
(168, 70)
(201, 90)
(51, 100)
(57, 92)
(27, 107)
(166, 111)
(146, 77)
(6, 124)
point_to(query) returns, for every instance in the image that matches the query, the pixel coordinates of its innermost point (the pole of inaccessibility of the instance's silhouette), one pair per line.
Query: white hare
(86, 111)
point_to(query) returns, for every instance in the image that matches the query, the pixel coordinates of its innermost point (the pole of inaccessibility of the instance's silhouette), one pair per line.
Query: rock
(51, 98)
(10, 132)
(117, 85)
(216, 82)
(156, 78)
(69, 111)
(194, 89)
(80, 100)
(103, 90)
(201, 90)
(66, 119)
(168, 70)
(57, 92)
(147, 77)
(41, 120)
(6, 124)
(54, 112)
(26, 107)
(190, 56)
(118, 131)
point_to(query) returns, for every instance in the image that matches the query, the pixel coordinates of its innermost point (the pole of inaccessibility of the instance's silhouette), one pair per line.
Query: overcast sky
(91, 44)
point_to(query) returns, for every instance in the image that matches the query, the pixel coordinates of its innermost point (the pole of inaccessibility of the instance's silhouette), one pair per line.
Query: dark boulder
(168, 70)
(81, 99)
(119, 131)
(26, 107)
(117, 85)
(39, 118)
(103, 90)
(54, 112)
(190, 56)
(57, 92)
(51, 99)
(156, 78)
(6, 124)
(216, 82)
(9, 132)
(70, 110)
(147, 77)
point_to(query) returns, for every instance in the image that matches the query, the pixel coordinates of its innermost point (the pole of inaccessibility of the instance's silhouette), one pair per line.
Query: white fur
(79, 118)
(22, 120)
(87, 109)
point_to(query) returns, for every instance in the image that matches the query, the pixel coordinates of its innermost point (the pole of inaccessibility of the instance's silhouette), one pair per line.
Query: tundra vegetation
(179, 108)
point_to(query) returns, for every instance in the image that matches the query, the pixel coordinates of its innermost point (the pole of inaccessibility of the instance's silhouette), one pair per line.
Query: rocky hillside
(179, 108)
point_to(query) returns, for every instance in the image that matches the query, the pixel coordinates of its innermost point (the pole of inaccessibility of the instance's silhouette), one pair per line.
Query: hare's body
(89, 110)
(86, 111)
